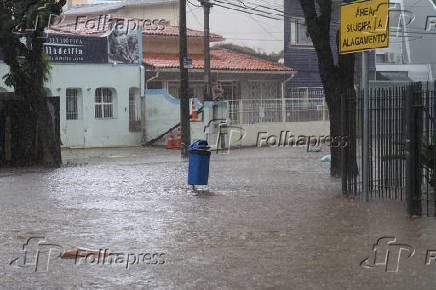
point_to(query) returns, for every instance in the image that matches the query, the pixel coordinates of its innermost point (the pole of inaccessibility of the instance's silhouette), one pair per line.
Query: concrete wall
(162, 112)
(252, 133)
(87, 130)
(170, 45)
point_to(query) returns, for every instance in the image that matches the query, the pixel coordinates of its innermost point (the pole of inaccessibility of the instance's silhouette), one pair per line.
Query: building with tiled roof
(112, 92)
(220, 60)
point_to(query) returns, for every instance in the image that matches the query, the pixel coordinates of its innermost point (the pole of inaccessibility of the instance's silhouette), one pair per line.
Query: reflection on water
(269, 218)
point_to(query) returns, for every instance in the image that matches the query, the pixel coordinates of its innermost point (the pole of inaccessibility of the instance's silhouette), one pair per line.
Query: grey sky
(240, 28)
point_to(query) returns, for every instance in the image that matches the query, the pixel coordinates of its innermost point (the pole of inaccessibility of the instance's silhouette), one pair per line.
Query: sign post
(364, 26)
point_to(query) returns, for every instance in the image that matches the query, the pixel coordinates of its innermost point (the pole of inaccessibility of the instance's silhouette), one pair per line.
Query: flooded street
(271, 219)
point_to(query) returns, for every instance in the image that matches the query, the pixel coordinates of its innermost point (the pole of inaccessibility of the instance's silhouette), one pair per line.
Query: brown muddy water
(270, 219)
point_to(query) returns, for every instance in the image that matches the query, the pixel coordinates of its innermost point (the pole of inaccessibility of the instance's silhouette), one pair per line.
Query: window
(104, 103)
(231, 90)
(195, 91)
(299, 34)
(134, 110)
(264, 90)
(154, 85)
(73, 103)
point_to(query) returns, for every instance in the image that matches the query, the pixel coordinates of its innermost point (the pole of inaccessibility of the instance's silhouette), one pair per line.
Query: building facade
(102, 75)
(300, 54)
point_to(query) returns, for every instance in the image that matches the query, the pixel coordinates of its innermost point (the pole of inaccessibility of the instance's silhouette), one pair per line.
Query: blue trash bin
(199, 159)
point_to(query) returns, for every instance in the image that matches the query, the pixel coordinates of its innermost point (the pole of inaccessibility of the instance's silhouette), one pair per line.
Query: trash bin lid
(199, 145)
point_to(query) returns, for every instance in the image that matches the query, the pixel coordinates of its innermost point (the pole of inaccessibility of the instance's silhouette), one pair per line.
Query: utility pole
(207, 74)
(184, 82)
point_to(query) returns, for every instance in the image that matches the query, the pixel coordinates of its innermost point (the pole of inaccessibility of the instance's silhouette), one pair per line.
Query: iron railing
(252, 111)
(401, 147)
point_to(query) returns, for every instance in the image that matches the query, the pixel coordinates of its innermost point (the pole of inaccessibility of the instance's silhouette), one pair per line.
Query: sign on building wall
(118, 46)
(364, 26)
(124, 46)
(65, 48)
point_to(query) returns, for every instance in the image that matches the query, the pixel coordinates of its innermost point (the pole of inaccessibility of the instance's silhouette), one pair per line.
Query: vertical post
(184, 82)
(324, 109)
(241, 112)
(344, 155)
(413, 139)
(283, 102)
(207, 73)
(365, 141)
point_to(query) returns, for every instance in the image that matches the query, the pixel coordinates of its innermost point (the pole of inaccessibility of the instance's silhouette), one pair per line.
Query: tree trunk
(334, 106)
(337, 77)
(48, 144)
(39, 144)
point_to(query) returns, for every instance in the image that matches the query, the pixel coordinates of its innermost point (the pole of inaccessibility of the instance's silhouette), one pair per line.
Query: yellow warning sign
(364, 25)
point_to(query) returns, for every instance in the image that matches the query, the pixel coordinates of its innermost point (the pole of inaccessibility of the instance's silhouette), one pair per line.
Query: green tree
(337, 77)
(22, 25)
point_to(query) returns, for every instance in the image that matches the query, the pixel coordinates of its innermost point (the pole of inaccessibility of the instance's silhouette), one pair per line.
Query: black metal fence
(401, 154)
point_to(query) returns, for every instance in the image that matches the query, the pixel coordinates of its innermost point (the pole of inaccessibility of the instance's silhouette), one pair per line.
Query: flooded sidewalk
(271, 218)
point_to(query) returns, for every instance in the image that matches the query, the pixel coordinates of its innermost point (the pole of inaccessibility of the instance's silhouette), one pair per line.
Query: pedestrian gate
(401, 148)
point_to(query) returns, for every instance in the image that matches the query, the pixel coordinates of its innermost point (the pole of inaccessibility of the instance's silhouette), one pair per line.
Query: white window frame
(105, 103)
(76, 95)
(235, 87)
(295, 25)
(134, 110)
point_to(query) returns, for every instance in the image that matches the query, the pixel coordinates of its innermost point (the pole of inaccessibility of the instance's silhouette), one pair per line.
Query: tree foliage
(22, 25)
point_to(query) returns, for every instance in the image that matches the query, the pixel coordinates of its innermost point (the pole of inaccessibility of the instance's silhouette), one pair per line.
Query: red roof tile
(98, 26)
(221, 59)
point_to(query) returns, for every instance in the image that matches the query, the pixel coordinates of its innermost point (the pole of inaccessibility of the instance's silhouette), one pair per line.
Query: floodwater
(270, 219)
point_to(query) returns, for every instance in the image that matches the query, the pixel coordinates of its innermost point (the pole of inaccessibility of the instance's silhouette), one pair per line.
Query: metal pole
(207, 74)
(365, 141)
(184, 82)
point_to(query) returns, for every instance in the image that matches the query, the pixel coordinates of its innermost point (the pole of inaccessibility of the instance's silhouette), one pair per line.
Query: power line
(198, 6)
(216, 4)
(292, 17)
(248, 8)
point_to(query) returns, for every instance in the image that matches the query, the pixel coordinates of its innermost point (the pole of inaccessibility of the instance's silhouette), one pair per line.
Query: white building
(410, 55)
(104, 103)
(96, 102)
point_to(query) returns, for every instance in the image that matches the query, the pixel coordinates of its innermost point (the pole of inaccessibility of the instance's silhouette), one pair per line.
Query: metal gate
(401, 156)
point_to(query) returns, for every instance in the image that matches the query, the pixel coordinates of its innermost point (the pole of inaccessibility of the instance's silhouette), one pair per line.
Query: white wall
(88, 131)
(251, 135)
(162, 112)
